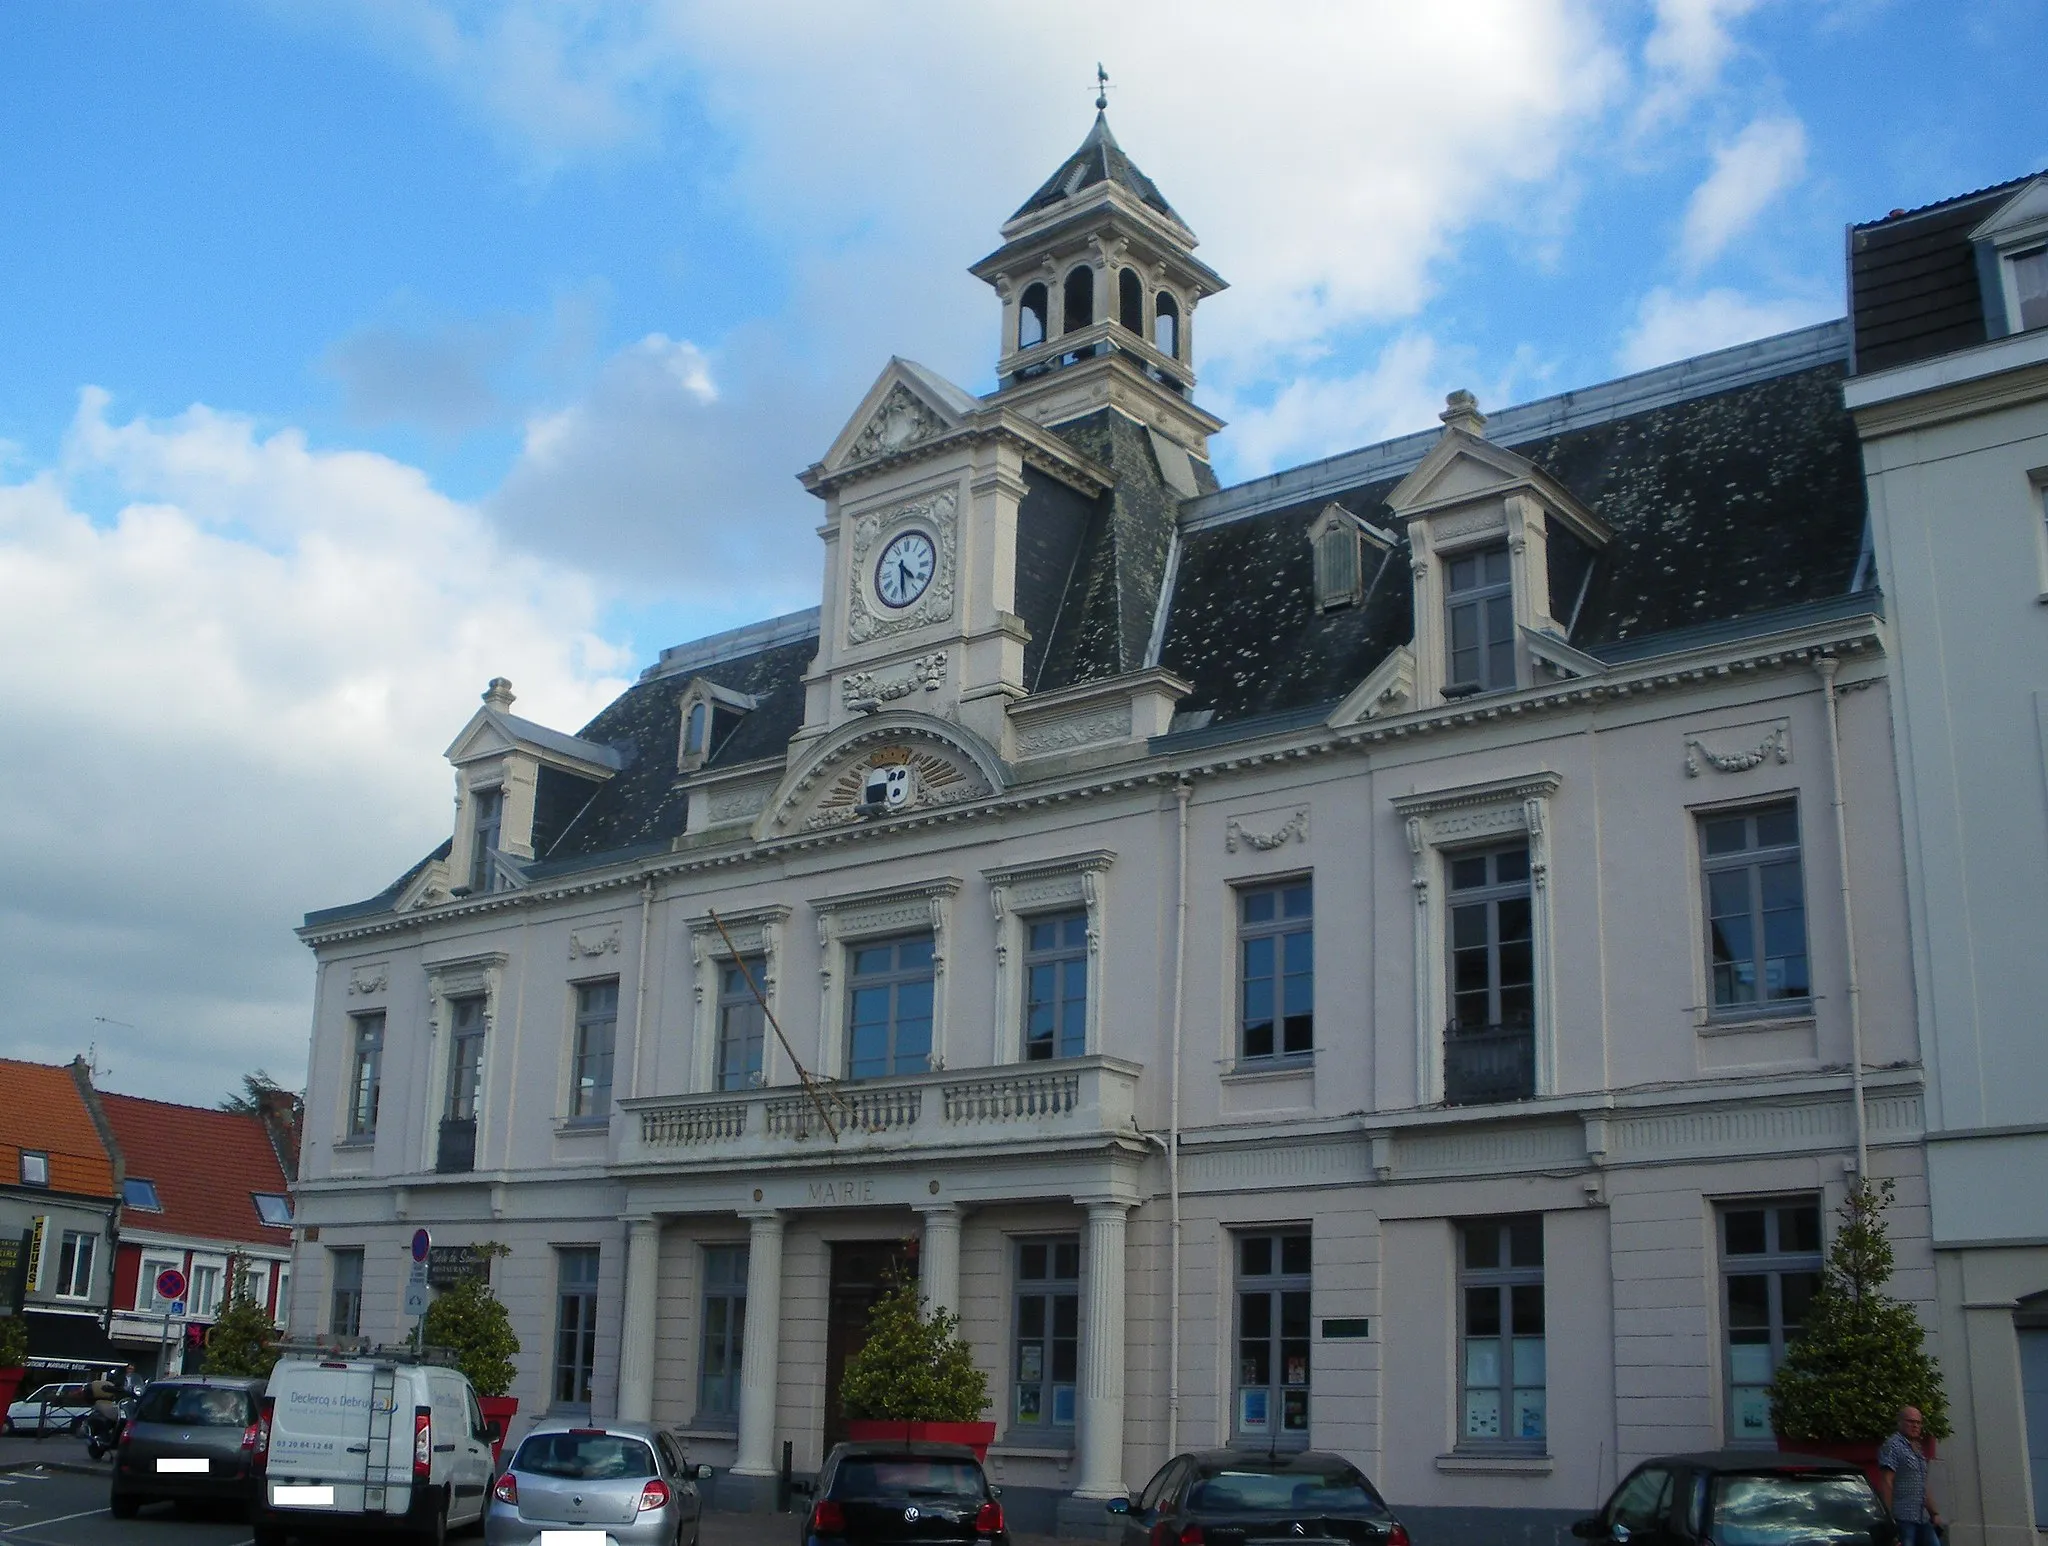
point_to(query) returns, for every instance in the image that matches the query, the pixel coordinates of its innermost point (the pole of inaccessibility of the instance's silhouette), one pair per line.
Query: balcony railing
(457, 1150)
(1022, 1103)
(1489, 1063)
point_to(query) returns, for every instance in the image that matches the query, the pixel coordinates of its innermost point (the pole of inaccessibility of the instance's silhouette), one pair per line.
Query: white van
(374, 1443)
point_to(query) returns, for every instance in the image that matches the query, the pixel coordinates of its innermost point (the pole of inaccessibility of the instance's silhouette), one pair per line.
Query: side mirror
(995, 1492)
(1117, 1506)
(1587, 1529)
(700, 1473)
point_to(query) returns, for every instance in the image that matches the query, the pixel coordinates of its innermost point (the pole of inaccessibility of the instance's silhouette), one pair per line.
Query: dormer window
(710, 715)
(1334, 541)
(1479, 622)
(2030, 287)
(2013, 245)
(697, 730)
(483, 851)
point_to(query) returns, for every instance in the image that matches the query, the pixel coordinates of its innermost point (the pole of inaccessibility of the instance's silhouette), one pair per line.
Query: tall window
(206, 1286)
(74, 1265)
(890, 1019)
(1272, 1338)
(366, 1075)
(283, 1312)
(694, 735)
(1079, 308)
(1480, 621)
(1276, 971)
(1770, 1271)
(1756, 907)
(1047, 1350)
(575, 1323)
(597, 1022)
(725, 1324)
(2030, 284)
(1166, 325)
(742, 1026)
(1500, 1281)
(1056, 986)
(345, 1305)
(490, 811)
(1493, 963)
(1130, 301)
(465, 1058)
(1031, 315)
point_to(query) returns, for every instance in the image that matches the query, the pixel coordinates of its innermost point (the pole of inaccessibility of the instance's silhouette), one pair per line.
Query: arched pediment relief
(888, 765)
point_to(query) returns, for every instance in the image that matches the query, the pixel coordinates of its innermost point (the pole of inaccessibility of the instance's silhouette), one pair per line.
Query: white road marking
(90, 1513)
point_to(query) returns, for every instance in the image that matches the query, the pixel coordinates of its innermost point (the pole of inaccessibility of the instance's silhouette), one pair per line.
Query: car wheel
(436, 1533)
(122, 1505)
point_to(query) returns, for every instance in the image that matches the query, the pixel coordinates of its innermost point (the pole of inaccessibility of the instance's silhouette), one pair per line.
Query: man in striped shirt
(1902, 1482)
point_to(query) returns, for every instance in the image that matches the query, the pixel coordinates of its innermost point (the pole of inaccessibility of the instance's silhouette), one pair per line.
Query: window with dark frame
(1276, 971)
(1479, 621)
(140, 1195)
(725, 1324)
(345, 1303)
(889, 1007)
(1046, 1352)
(273, 1208)
(1493, 959)
(1770, 1271)
(742, 1027)
(1756, 908)
(597, 1024)
(1055, 986)
(1272, 1387)
(575, 1323)
(465, 1058)
(1500, 1283)
(366, 1075)
(490, 808)
(35, 1168)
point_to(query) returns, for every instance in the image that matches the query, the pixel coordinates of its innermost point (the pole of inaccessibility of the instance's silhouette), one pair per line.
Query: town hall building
(1401, 956)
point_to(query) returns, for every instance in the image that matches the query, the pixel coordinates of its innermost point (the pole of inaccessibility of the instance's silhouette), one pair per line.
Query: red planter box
(11, 1381)
(504, 1408)
(869, 1430)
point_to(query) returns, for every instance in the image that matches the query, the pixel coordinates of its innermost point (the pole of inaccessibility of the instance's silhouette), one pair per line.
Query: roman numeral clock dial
(905, 568)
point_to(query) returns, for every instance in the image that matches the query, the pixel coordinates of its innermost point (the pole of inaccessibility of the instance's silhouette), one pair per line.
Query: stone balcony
(1072, 1102)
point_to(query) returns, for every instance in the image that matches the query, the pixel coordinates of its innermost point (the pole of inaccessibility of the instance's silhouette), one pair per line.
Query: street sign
(422, 1243)
(416, 1295)
(177, 1307)
(448, 1265)
(170, 1284)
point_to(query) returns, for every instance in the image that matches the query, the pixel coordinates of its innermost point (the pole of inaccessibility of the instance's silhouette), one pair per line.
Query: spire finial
(1101, 88)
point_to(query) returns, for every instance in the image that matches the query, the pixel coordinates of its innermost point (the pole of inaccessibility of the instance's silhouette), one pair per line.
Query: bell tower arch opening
(1078, 299)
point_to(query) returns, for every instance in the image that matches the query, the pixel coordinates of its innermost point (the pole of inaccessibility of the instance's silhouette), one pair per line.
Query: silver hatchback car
(610, 1484)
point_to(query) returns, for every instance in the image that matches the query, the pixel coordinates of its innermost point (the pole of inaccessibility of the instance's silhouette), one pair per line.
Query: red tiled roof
(41, 1108)
(205, 1165)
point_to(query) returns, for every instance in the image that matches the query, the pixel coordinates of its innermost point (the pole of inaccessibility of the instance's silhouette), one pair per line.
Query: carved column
(938, 1260)
(1102, 1356)
(760, 1361)
(636, 1328)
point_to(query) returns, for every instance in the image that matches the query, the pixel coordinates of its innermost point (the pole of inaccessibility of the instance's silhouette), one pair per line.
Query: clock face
(905, 568)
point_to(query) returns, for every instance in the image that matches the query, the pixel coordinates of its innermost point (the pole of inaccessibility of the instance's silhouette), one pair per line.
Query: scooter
(103, 1429)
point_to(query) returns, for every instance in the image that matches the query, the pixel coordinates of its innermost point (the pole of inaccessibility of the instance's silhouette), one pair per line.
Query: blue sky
(352, 353)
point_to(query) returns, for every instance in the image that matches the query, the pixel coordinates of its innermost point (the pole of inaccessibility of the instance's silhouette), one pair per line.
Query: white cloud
(1683, 58)
(1749, 172)
(439, 376)
(225, 704)
(1670, 326)
(1316, 416)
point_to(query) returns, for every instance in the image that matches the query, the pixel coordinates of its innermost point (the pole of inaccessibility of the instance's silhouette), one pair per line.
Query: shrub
(469, 1321)
(1862, 1354)
(243, 1342)
(914, 1367)
(13, 1341)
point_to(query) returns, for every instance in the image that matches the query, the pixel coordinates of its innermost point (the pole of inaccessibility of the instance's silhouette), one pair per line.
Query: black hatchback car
(191, 1440)
(903, 1495)
(1737, 1497)
(1231, 1497)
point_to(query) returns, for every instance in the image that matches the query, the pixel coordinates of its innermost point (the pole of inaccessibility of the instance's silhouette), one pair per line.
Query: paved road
(41, 1507)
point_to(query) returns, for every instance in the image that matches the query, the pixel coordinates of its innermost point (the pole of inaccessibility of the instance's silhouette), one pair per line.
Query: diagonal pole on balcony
(803, 1074)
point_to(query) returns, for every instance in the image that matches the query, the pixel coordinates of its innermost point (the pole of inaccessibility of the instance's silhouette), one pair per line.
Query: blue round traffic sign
(170, 1284)
(421, 1241)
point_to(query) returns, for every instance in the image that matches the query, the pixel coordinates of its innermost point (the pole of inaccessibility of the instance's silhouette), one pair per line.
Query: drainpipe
(1181, 791)
(1828, 665)
(640, 972)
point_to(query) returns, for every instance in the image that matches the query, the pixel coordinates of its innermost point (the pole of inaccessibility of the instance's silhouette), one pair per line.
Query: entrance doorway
(860, 1269)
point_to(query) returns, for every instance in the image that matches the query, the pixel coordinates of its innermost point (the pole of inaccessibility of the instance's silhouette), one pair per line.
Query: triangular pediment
(494, 733)
(1463, 469)
(907, 406)
(1389, 688)
(2021, 215)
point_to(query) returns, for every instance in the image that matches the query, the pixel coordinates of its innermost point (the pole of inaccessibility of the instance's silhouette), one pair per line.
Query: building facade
(1950, 394)
(1401, 956)
(58, 1188)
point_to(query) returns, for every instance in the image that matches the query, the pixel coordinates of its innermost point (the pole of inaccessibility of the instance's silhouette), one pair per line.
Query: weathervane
(1101, 88)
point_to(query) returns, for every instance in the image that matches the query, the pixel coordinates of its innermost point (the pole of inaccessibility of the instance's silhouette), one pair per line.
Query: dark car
(1742, 1498)
(903, 1495)
(191, 1440)
(1229, 1497)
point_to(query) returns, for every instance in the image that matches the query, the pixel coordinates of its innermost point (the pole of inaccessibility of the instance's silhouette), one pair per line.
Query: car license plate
(572, 1538)
(181, 1468)
(302, 1497)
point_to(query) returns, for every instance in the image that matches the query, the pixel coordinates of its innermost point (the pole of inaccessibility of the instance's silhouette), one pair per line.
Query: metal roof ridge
(1700, 376)
(714, 649)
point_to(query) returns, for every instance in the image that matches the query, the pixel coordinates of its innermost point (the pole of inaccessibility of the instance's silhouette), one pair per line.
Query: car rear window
(907, 1478)
(584, 1457)
(195, 1406)
(1283, 1492)
(1783, 1508)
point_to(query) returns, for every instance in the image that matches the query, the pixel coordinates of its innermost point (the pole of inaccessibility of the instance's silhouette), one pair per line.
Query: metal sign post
(170, 1287)
(416, 1285)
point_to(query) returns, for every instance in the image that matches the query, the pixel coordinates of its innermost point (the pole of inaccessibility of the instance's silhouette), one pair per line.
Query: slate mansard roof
(1732, 484)
(1100, 159)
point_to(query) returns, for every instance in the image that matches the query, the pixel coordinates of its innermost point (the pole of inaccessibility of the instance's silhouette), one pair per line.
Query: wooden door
(859, 1270)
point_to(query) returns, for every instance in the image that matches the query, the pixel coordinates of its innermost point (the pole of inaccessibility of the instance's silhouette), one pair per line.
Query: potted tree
(243, 1341)
(470, 1322)
(1862, 1354)
(13, 1358)
(915, 1378)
